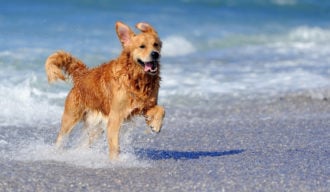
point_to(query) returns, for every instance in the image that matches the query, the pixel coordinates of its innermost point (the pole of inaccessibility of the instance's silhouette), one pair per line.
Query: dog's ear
(124, 33)
(145, 27)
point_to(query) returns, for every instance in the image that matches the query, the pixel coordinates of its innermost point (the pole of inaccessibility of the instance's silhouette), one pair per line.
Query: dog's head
(144, 47)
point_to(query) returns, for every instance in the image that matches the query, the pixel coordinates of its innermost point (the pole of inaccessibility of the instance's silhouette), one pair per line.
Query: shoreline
(280, 144)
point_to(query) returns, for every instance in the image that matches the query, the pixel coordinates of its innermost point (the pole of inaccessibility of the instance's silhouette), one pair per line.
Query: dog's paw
(155, 125)
(154, 118)
(114, 156)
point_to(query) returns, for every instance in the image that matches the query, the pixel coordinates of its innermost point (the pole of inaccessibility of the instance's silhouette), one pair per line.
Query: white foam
(177, 46)
(80, 156)
(3, 142)
(251, 80)
(76, 153)
(309, 34)
(21, 106)
(284, 2)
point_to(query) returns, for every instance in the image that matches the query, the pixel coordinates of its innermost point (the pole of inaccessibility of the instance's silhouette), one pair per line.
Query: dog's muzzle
(150, 67)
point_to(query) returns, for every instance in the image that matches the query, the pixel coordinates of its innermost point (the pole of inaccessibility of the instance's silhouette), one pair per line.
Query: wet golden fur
(114, 91)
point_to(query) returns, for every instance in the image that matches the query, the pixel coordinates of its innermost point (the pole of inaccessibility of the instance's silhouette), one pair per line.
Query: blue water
(212, 50)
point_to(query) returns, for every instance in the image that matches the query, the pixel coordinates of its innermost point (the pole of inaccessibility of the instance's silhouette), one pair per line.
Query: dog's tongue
(149, 66)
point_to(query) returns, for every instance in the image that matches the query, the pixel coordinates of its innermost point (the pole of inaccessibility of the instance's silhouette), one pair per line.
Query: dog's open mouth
(150, 67)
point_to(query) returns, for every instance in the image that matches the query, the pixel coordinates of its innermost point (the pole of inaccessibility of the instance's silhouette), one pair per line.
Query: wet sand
(278, 144)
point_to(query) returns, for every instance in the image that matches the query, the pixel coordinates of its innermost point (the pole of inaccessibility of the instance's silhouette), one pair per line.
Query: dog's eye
(142, 46)
(156, 44)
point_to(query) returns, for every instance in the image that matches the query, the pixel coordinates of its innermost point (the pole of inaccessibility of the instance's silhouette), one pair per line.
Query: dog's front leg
(154, 117)
(113, 135)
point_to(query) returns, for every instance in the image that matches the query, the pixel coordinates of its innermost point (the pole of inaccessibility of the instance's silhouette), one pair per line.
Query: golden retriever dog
(112, 92)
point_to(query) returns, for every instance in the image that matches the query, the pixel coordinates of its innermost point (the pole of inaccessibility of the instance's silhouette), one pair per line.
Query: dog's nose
(154, 55)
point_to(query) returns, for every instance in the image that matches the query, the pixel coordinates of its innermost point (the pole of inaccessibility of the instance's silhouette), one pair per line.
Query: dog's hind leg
(92, 133)
(72, 114)
(93, 127)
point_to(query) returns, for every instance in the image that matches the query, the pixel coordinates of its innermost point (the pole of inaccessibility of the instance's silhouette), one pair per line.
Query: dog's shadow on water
(156, 154)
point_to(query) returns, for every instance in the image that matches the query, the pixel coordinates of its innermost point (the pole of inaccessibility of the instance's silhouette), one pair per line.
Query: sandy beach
(280, 144)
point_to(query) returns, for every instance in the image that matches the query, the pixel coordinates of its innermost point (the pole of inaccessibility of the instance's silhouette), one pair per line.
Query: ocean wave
(303, 36)
(21, 106)
(270, 77)
(309, 34)
(284, 2)
(177, 46)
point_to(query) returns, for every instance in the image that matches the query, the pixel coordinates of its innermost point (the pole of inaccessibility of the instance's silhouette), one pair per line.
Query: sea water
(213, 52)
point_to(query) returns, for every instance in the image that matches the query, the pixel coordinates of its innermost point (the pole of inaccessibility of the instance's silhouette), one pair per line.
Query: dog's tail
(60, 63)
